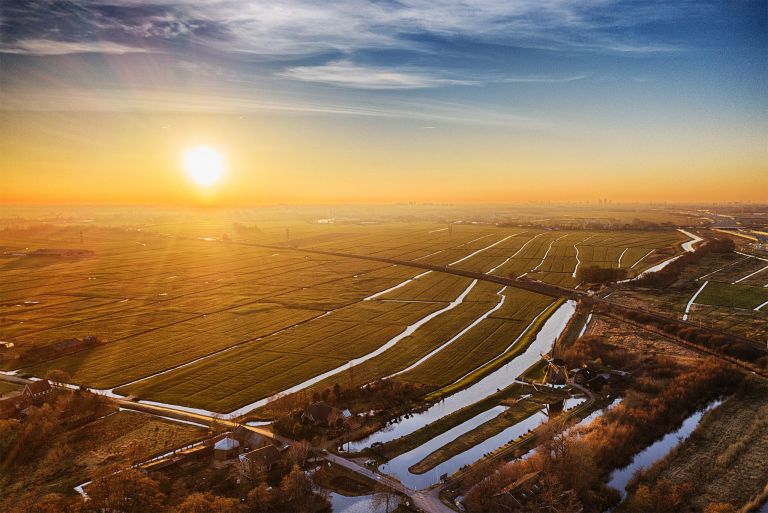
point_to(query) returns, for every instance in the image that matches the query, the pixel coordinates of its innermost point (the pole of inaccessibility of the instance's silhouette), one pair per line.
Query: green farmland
(193, 316)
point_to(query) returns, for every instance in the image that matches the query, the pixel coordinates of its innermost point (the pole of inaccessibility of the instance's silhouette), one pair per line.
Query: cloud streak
(51, 47)
(284, 28)
(347, 74)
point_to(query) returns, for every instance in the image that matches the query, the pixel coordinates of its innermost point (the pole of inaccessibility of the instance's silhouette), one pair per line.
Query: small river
(495, 381)
(398, 467)
(659, 449)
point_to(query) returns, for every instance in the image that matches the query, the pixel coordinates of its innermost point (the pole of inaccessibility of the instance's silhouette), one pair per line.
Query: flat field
(205, 315)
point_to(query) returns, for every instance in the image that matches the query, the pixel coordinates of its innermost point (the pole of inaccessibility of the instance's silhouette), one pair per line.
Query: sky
(460, 101)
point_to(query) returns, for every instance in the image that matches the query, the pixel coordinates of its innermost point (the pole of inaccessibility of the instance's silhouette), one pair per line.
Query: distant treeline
(611, 224)
(594, 274)
(669, 274)
(242, 229)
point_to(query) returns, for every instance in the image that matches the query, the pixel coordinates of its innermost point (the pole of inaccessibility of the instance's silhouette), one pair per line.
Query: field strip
(620, 256)
(438, 230)
(410, 301)
(453, 339)
(752, 256)
(172, 419)
(750, 275)
(693, 298)
(481, 250)
(474, 240)
(409, 280)
(427, 256)
(352, 363)
(516, 252)
(390, 289)
(642, 258)
(509, 347)
(578, 262)
(544, 257)
(759, 307)
(724, 267)
(109, 391)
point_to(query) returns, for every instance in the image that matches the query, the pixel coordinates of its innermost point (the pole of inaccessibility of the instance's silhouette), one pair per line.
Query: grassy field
(733, 296)
(725, 459)
(6, 387)
(233, 322)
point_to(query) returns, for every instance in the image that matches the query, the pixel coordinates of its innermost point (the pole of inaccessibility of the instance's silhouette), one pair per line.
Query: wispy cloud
(281, 28)
(347, 74)
(541, 79)
(51, 47)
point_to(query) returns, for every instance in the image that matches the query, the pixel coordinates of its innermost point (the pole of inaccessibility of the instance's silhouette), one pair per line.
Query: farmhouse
(37, 391)
(268, 456)
(324, 415)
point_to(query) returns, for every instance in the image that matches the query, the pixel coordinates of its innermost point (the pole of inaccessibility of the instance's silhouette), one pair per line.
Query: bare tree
(384, 501)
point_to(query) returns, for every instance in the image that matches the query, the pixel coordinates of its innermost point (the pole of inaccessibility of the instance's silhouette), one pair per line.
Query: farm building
(324, 415)
(249, 439)
(37, 391)
(226, 448)
(268, 456)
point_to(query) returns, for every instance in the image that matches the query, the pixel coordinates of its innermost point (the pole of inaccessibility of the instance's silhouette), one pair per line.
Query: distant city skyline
(382, 102)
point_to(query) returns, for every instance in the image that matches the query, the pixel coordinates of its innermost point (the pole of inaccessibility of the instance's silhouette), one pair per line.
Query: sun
(204, 165)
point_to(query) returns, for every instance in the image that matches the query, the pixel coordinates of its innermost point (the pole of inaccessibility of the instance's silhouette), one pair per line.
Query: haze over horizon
(376, 102)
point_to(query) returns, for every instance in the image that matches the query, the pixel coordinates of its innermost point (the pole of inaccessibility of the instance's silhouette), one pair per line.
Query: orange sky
(136, 159)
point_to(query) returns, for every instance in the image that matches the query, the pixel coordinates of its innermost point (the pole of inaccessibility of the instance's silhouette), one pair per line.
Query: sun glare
(204, 165)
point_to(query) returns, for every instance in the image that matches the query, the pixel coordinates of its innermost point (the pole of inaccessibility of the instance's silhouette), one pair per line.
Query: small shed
(226, 448)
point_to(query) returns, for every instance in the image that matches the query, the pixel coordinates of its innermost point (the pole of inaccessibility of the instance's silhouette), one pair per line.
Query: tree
(384, 500)
(260, 498)
(298, 453)
(719, 507)
(296, 490)
(250, 472)
(58, 377)
(129, 491)
(206, 503)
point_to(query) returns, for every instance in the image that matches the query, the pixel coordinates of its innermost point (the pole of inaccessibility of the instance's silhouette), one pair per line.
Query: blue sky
(474, 51)
(593, 73)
